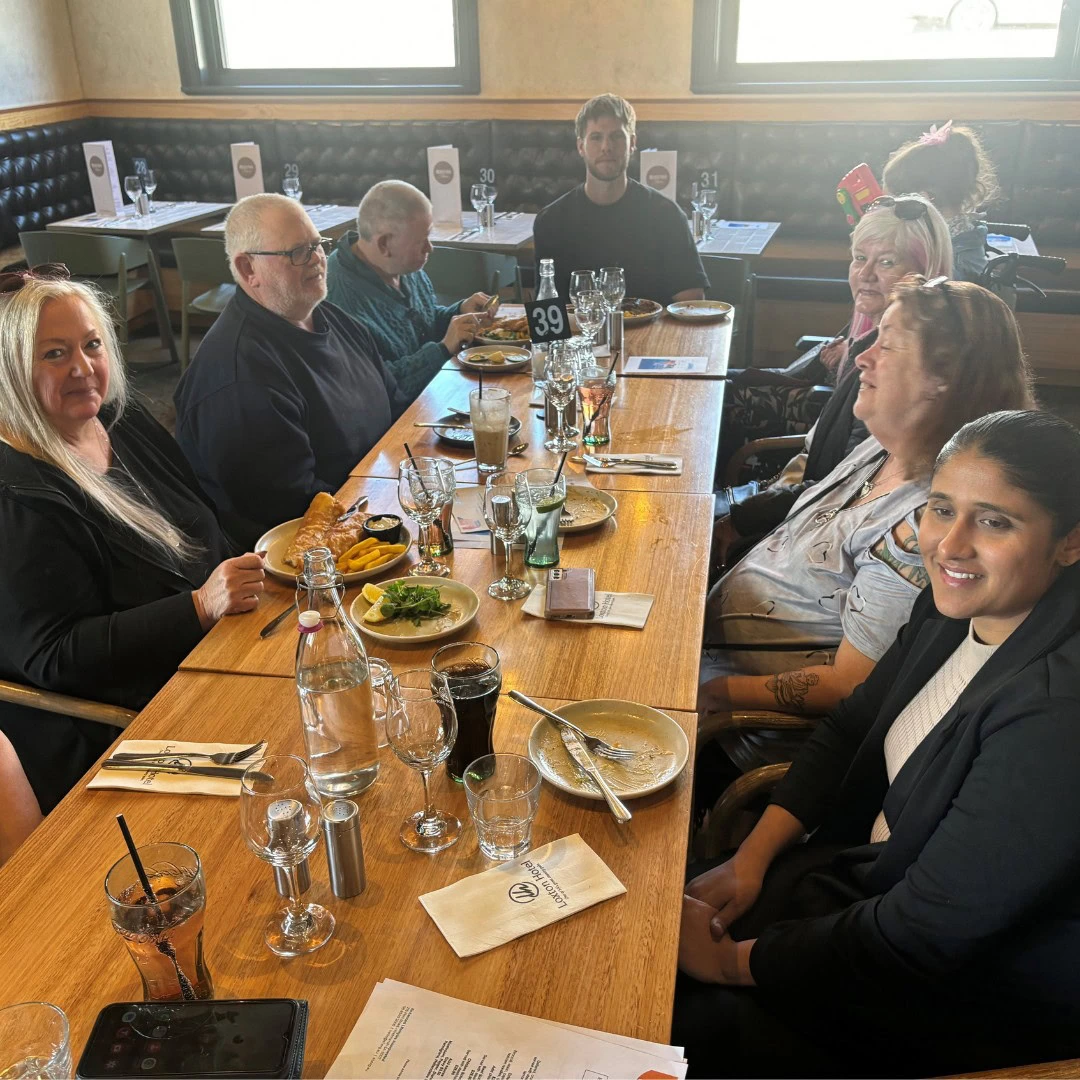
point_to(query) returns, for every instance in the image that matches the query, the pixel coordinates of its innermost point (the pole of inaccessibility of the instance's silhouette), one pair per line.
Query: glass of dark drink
(474, 676)
(164, 938)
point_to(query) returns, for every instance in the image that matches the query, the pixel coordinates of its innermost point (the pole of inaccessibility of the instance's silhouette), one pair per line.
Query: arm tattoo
(914, 573)
(791, 687)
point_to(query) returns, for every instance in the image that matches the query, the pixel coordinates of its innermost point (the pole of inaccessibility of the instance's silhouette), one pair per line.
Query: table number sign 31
(547, 320)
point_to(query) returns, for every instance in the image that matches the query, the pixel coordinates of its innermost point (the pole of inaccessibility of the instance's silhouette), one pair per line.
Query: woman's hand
(729, 890)
(232, 587)
(701, 957)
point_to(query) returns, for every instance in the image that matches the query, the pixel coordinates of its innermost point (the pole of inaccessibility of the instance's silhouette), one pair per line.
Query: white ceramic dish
(275, 542)
(464, 605)
(699, 310)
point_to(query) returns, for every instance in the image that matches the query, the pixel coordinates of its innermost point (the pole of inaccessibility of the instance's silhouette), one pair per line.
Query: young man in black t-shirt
(611, 220)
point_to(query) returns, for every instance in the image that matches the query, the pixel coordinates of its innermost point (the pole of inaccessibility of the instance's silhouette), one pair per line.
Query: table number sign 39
(547, 320)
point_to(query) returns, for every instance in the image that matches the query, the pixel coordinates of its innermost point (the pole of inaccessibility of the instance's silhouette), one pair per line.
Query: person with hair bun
(928, 922)
(114, 563)
(950, 166)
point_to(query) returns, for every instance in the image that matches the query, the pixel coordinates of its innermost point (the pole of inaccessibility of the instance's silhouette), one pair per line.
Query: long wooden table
(611, 967)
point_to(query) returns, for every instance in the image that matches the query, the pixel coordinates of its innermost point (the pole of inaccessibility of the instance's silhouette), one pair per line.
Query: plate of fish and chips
(358, 557)
(505, 331)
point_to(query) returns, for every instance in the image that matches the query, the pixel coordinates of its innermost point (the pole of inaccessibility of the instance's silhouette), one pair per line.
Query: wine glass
(280, 816)
(425, 486)
(421, 724)
(613, 286)
(590, 309)
(506, 514)
(581, 281)
(149, 183)
(707, 207)
(133, 187)
(478, 198)
(290, 183)
(560, 386)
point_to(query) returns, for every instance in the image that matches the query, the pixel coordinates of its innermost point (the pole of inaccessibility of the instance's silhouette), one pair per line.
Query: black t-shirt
(644, 233)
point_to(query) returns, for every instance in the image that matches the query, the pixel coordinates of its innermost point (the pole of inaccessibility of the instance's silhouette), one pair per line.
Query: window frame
(714, 69)
(197, 29)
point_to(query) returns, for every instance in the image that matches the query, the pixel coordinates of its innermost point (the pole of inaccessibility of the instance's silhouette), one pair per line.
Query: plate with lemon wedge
(412, 610)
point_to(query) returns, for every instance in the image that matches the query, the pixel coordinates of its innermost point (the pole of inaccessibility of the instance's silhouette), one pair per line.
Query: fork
(592, 742)
(614, 462)
(230, 757)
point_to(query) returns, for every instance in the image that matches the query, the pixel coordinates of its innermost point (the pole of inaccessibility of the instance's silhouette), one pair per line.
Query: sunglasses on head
(14, 280)
(905, 207)
(939, 286)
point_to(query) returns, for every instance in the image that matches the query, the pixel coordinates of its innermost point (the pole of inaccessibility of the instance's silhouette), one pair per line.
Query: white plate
(275, 542)
(590, 507)
(699, 310)
(516, 358)
(622, 723)
(464, 605)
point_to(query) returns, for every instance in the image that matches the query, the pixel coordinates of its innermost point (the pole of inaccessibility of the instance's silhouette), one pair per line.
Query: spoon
(514, 451)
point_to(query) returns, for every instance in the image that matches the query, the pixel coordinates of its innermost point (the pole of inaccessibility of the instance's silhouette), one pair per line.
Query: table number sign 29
(547, 320)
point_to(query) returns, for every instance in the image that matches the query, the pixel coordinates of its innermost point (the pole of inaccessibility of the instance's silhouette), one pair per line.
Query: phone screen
(190, 1038)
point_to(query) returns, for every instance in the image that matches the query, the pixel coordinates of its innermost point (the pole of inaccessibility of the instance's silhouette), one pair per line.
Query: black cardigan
(977, 891)
(88, 608)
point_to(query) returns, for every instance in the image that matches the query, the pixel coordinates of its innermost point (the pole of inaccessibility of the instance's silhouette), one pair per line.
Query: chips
(369, 554)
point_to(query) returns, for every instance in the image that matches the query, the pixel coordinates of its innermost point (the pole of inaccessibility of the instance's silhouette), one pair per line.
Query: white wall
(37, 59)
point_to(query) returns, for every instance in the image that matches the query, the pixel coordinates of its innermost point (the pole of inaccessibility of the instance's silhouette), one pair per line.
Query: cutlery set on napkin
(181, 767)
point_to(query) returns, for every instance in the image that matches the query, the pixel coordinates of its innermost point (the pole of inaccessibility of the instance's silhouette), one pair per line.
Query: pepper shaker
(344, 848)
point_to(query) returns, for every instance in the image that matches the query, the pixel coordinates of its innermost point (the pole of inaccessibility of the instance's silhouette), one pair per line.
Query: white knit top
(926, 710)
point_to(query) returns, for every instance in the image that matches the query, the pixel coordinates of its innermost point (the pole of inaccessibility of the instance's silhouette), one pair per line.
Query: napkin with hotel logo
(548, 884)
(612, 609)
(147, 778)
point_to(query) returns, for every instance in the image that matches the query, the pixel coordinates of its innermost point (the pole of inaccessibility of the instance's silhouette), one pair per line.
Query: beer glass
(474, 679)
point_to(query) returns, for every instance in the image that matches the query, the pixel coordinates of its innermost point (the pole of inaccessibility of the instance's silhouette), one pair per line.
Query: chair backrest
(84, 254)
(728, 278)
(459, 272)
(202, 259)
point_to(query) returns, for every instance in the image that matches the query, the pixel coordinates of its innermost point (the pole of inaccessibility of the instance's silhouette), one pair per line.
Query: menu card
(407, 1031)
(104, 178)
(513, 899)
(658, 171)
(666, 365)
(247, 169)
(444, 185)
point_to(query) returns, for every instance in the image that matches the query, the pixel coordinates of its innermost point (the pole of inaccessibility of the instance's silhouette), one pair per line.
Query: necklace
(111, 453)
(868, 485)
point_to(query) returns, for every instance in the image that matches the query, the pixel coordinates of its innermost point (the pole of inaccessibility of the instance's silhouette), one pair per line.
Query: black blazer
(977, 891)
(88, 609)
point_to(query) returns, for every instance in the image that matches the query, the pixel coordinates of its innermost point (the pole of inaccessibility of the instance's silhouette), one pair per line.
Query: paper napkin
(548, 884)
(165, 783)
(644, 459)
(612, 609)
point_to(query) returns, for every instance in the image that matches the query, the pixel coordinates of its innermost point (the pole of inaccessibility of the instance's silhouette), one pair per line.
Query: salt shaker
(344, 848)
(285, 825)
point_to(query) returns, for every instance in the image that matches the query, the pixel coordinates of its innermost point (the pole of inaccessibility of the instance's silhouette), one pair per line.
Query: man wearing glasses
(611, 220)
(287, 392)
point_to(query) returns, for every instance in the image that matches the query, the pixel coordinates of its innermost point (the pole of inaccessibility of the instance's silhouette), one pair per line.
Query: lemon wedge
(374, 614)
(372, 593)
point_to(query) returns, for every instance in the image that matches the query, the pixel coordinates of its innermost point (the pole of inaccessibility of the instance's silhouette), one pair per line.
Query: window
(900, 44)
(327, 46)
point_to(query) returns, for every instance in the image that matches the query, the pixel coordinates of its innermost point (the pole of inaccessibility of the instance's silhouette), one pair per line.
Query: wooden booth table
(610, 967)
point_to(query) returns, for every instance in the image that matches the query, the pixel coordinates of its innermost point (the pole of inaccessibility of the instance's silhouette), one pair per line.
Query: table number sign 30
(547, 320)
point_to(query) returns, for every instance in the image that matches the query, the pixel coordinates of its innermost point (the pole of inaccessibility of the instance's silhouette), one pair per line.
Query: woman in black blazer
(932, 923)
(113, 563)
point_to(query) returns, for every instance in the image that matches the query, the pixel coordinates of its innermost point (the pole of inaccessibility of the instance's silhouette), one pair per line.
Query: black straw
(419, 474)
(139, 868)
(480, 376)
(615, 354)
(558, 473)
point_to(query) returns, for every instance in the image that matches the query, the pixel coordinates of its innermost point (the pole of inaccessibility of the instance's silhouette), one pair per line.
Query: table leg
(160, 306)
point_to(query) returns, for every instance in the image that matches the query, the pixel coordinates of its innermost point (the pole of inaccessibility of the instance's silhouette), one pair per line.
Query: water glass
(425, 486)
(581, 281)
(489, 411)
(280, 816)
(163, 935)
(133, 187)
(596, 388)
(34, 1042)
(590, 311)
(613, 285)
(546, 496)
(507, 511)
(503, 791)
(560, 387)
(422, 728)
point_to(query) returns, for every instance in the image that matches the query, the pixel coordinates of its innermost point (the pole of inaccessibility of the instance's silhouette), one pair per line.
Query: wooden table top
(657, 543)
(660, 416)
(611, 967)
(672, 337)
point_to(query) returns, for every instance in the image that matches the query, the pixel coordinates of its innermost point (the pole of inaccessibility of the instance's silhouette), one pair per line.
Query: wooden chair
(731, 281)
(105, 261)
(79, 708)
(201, 260)
(459, 272)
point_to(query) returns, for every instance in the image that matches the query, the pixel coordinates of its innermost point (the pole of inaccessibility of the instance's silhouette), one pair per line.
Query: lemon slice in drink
(550, 505)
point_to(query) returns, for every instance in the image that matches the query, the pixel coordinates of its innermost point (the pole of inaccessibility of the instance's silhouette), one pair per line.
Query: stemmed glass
(290, 184)
(280, 816)
(560, 385)
(613, 286)
(133, 187)
(707, 207)
(421, 724)
(507, 515)
(581, 281)
(425, 486)
(590, 309)
(478, 198)
(149, 183)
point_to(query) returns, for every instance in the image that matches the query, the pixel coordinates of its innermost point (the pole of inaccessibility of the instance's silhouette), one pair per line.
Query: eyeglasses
(905, 207)
(301, 254)
(14, 280)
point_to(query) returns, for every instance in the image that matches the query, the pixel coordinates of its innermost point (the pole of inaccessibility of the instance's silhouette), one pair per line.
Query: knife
(220, 771)
(576, 749)
(608, 460)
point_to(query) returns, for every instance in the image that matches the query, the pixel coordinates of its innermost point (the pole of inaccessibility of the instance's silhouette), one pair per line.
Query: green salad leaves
(413, 602)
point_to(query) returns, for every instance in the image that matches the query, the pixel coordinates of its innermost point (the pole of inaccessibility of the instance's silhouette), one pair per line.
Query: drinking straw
(480, 376)
(151, 898)
(615, 354)
(419, 474)
(558, 473)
